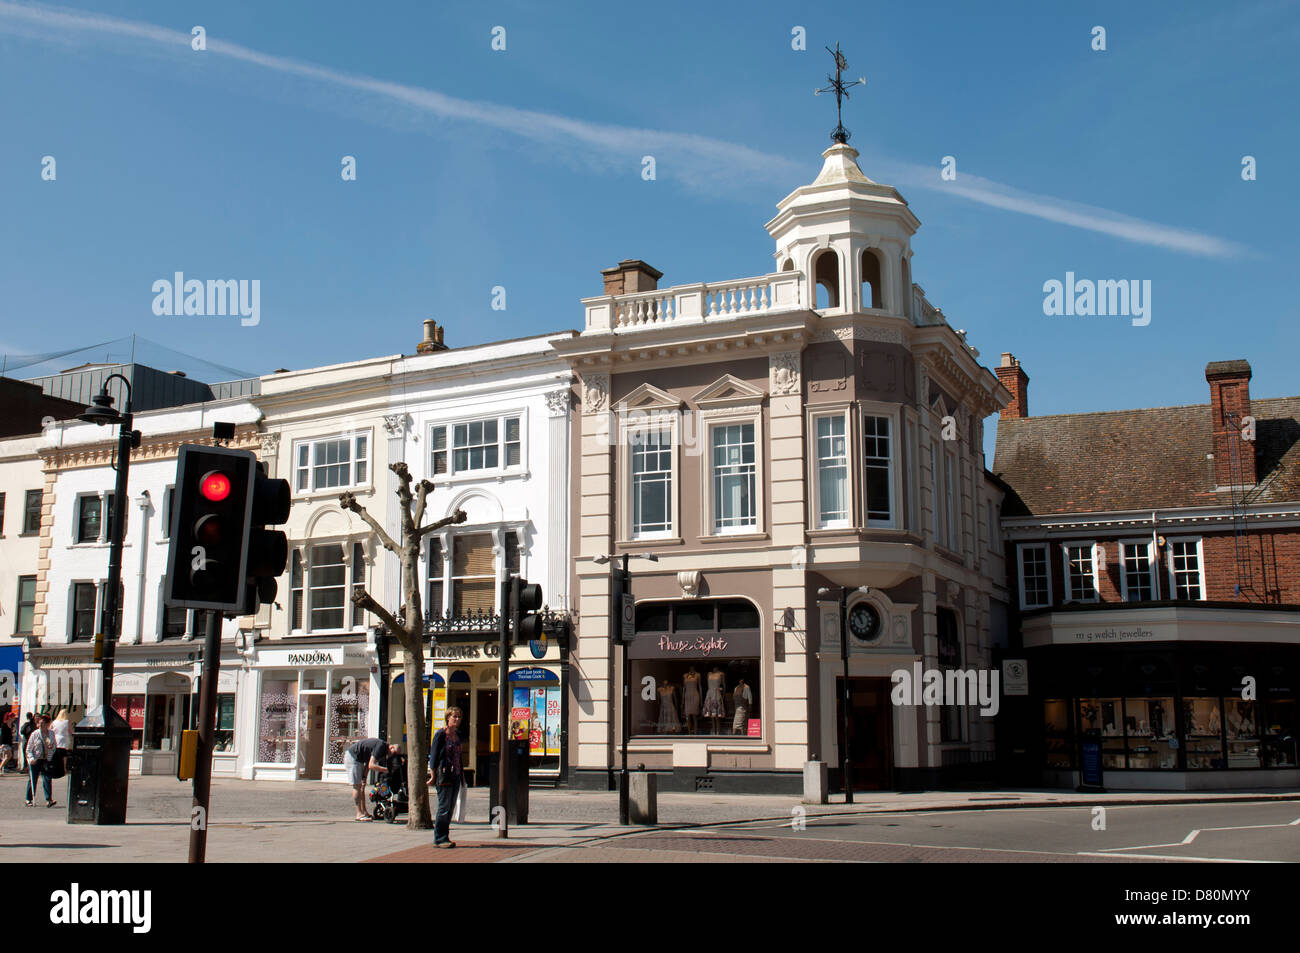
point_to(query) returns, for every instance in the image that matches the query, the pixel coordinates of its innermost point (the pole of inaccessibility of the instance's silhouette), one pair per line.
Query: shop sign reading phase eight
(732, 644)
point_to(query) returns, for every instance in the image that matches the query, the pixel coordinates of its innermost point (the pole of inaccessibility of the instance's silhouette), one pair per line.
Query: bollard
(816, 782)
(643, 807)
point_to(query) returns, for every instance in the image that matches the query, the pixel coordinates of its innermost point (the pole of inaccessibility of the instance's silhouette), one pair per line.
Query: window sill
(485, 476)
(649, 542)
(734, 538)
(307, 496)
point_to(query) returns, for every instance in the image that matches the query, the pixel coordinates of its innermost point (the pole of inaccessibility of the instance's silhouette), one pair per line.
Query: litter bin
(517, 809)
(101, 756)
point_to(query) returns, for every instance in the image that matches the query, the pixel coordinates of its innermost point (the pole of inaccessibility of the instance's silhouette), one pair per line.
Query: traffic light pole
(207, 719)
(625, 587)
(503, 706)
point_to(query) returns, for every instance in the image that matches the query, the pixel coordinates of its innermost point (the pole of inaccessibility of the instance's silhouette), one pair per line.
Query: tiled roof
(1138, 459)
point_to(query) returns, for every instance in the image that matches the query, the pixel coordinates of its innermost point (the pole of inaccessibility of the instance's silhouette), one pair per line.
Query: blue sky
(521, 168)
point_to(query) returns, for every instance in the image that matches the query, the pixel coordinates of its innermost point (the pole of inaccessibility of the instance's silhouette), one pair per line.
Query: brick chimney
(1014, 379)
(432, 339)
(1234, 458)
(629, 276)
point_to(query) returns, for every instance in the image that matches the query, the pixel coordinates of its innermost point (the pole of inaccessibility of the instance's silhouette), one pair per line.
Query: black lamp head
(101, 410)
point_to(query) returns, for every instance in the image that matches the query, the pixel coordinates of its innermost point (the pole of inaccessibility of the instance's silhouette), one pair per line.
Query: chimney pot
(432, 338)
(630, 276)
(1014, 379)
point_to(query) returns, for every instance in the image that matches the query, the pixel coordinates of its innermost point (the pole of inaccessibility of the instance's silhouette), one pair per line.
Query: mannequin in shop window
(715, 705)
(691, 700)
(742, 700)
(669, 723)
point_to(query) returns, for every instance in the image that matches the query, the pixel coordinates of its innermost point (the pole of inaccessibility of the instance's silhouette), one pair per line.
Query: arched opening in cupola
(872, 291)
(826, 277)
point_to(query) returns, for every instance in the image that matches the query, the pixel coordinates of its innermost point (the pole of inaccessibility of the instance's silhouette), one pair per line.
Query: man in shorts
(370, 754)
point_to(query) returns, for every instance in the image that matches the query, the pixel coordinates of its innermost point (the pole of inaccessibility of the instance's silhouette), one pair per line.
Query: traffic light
(525, 600)
(268, 549)
(221, 556)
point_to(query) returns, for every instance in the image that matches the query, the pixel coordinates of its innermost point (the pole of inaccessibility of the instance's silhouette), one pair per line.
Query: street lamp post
(847, 696)
(624, 578)
(101, 412)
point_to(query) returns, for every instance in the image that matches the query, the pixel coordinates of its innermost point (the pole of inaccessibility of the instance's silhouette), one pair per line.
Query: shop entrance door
(485, 716)
(311, 735)
(871, 731)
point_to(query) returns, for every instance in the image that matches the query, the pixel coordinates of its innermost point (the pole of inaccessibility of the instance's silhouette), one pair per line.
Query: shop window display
(1203, 729)
(1149, 728)
(1056, 730)
(1241, 728)
(224, 739)
(279, 718)
(1279, 737)
(349, 707)
(1102, 719)
(695, 669)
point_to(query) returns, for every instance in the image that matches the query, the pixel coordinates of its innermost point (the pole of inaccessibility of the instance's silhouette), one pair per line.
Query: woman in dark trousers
(445, 774)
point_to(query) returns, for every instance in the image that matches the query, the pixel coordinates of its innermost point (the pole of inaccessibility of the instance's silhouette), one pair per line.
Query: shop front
(466, 675)
(1180, 714)
(312, 703)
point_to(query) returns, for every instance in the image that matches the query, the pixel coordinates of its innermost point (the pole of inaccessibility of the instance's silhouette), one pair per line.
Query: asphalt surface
(312, 822)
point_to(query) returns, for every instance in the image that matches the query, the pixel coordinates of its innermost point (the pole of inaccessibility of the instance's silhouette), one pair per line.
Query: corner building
(815, 428)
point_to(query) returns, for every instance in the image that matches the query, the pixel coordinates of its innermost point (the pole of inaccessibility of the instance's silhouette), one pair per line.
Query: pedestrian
(7, 741)
(40, 751)
(370, 754)
(445, 775)
(62, 743)
(25, 732)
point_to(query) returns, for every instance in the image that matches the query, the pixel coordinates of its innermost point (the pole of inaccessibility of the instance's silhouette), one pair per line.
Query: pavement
(311, 822)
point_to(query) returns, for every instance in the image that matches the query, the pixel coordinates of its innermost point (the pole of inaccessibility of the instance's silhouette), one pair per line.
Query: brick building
(1154, 560)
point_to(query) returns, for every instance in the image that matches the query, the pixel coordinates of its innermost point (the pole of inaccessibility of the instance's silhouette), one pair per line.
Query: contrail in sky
(700, 161)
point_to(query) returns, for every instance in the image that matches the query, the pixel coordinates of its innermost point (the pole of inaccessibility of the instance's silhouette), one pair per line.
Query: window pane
(651, 453)
(734, 475)
(652, 617)
(328, 587)
(1137, 571)
(358, 579)
(26, 603)
(876, 453)
(1079, 573)
(737, 615)
(83, 610)
(32, 514)
(832, 471)
(331, 464)
(694, 617)
(1034, 569)
(88, 524)
(295, 583)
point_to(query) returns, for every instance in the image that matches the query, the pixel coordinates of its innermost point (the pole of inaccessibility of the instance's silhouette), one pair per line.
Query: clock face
(863, 622)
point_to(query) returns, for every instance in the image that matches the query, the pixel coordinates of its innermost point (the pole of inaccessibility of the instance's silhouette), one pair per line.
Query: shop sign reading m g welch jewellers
(302, 658)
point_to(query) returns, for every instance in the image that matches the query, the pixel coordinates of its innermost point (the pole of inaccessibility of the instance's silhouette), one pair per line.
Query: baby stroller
(389, 794)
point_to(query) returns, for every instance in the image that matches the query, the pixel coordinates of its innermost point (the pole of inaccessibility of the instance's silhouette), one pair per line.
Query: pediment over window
(649, 397)
(729, 391)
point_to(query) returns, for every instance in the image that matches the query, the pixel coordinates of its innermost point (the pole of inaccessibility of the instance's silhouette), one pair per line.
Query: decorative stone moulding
(595, 391)
(785, 372)
(396, 424)
(690, 580)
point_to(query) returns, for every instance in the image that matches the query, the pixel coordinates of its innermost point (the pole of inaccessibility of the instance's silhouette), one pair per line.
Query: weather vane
(841, 91)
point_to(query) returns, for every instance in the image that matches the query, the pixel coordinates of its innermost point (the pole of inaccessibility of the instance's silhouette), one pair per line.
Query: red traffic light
(215, 486)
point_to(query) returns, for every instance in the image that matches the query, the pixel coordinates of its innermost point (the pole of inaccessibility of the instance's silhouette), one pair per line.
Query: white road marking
(1194, 834)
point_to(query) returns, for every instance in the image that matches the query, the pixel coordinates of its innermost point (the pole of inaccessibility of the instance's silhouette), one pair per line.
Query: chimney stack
(1234, 458)
(432, 339)
(1014, 379)
(630, 276)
